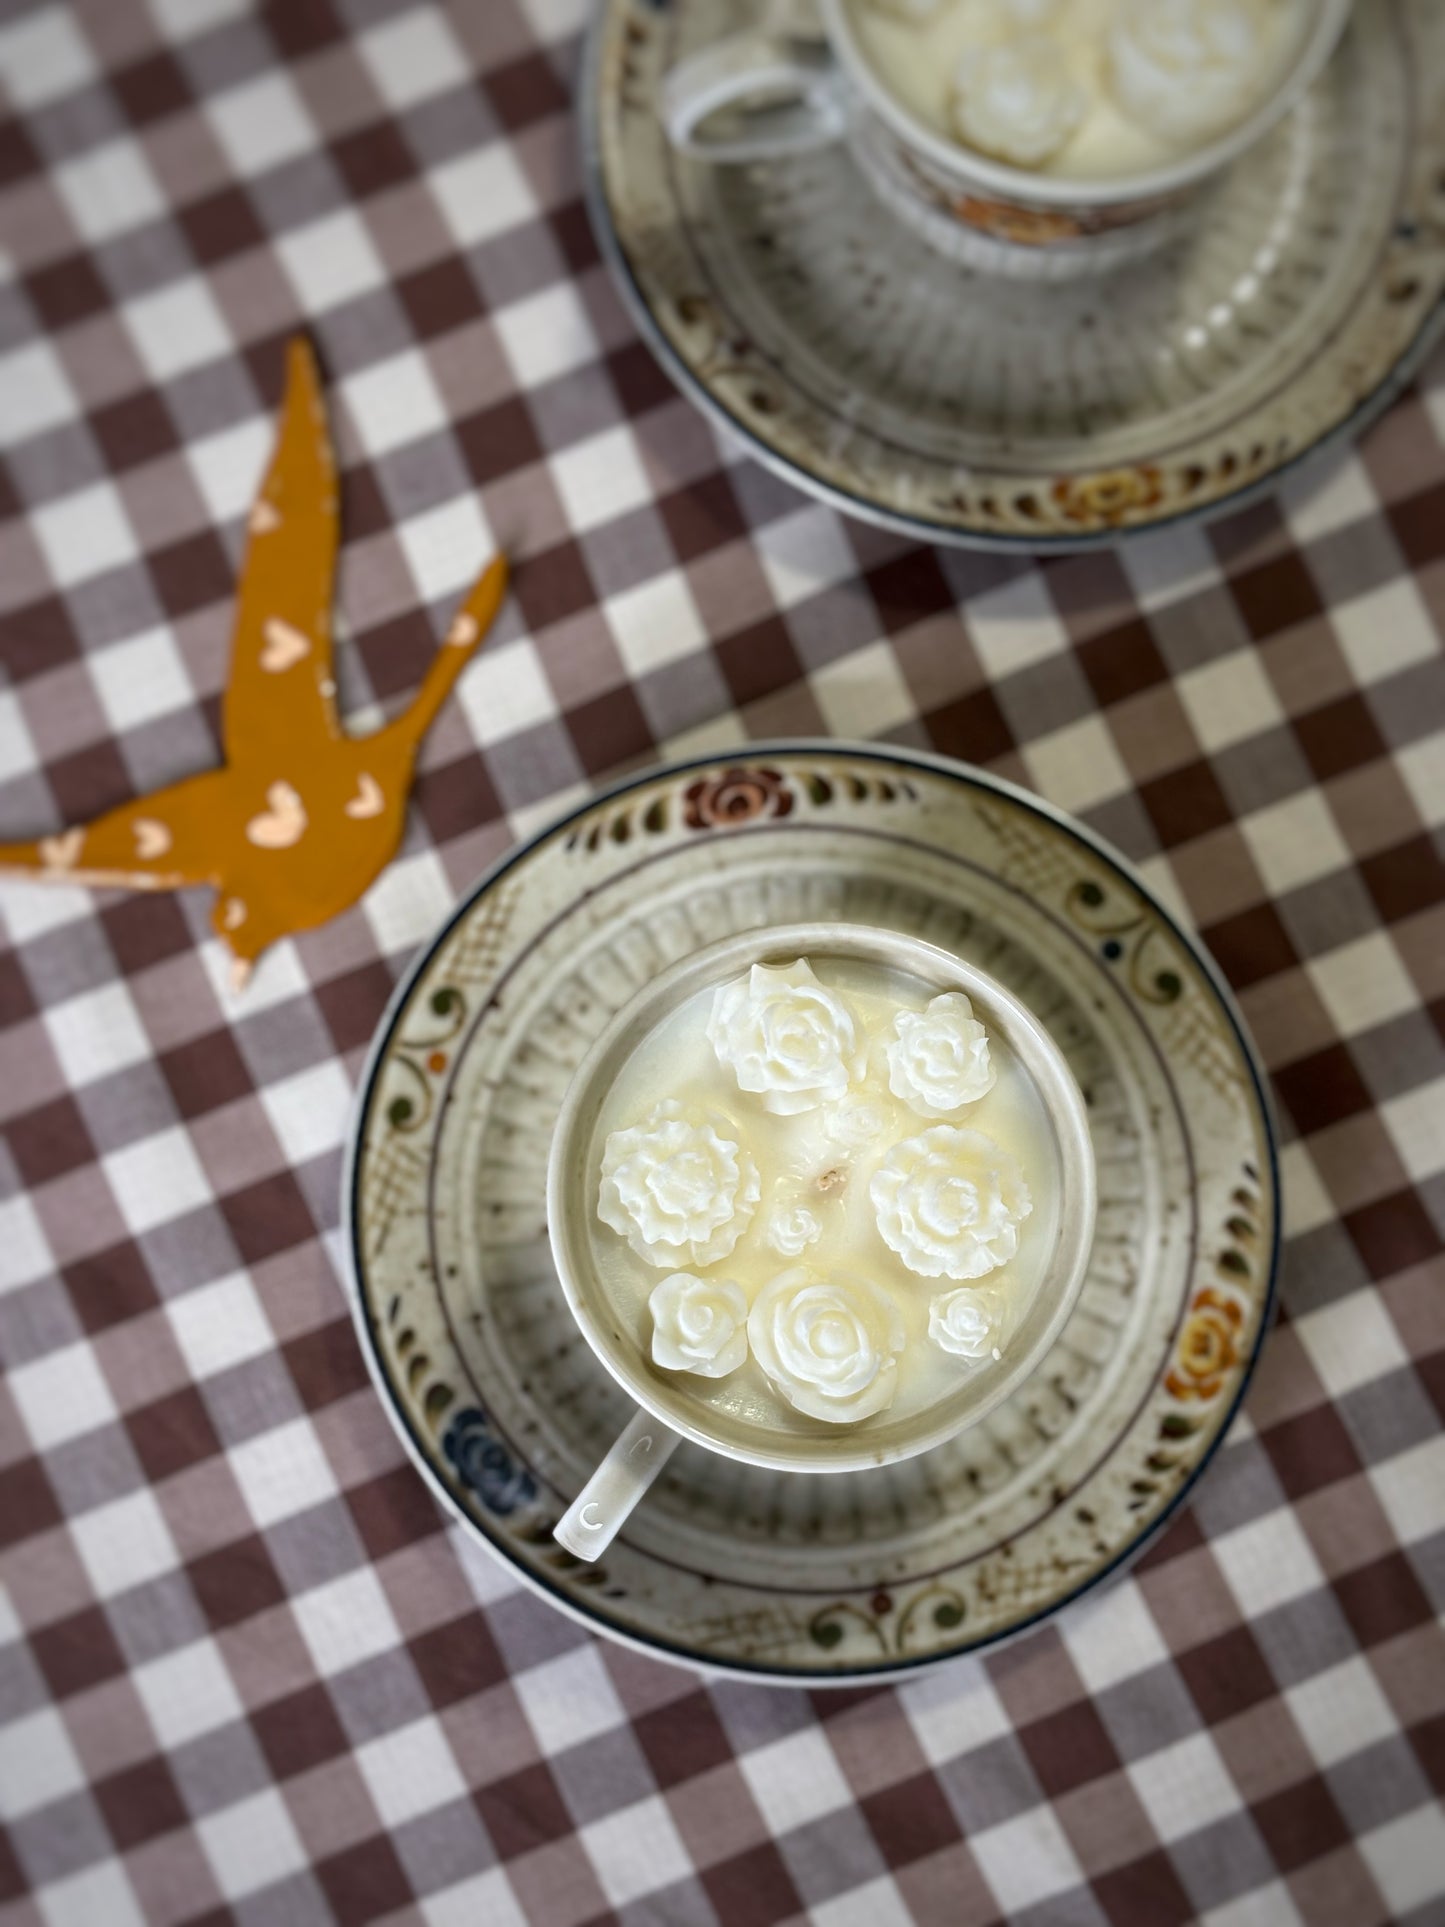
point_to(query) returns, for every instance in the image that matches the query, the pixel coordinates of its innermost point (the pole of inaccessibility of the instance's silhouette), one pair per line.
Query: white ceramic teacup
(809, 83)
(669, 1411)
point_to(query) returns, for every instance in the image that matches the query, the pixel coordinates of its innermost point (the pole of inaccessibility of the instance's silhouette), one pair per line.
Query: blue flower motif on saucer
(484, 1463)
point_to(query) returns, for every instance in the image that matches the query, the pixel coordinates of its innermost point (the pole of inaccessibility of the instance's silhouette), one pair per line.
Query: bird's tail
(466, 635)
(158, 842)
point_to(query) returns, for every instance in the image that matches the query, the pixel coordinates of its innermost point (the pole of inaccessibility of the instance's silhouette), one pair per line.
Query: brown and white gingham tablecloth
(247, 1671)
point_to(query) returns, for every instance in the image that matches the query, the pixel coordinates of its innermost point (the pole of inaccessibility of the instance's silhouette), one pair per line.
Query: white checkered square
(1341, 1711)
(1294, 842)
(413, 57)
(220, 1325)
(1228, 700)
(1363, 983)
(1385, 631)
(795, 1779)
(96, 1034)
(877, 1903)
(954, 1711)
(186, 1693)
(655, 623)
(636, 1850)
(182, 19)
(38, 1763)
(1113, 1636)
(1316, 506)
(156, 1179)
(1416, 1123)
(177, 328)
(862, 693)
(394, 402)
(600, 478)
(410, 1770)
(483, 194)
(1026, 1860)
(308, 1111)
(804, 553)
(37, 392)
(261, 124)
(1269, 1906)
(546, 335)
(124, 1543)
(282, 1472)
(1422, 765)
(96, 1894)
(1168, 565)
(447, 547)
(346, 1621)
(25, 1253)
(1407, 1858)
(1268, 1562)
(486, 1897)
(1411, 1489)
(1015, 626)
(17, 749)
(1307, 1204)
(1077, 766)
(569, 1699)
(331, 261)
(84, 534)
(1185, 1787)
(228, 467)
(252, 1844)
(42, 56)
(140, 680)
(108, 190)
(61, 1395)
(1351, 1341)
(407, 902)
(504, 691)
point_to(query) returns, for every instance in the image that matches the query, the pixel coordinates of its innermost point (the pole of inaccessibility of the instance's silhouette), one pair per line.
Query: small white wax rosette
(786, 1037)
(791, 1229)
(967, 1323)
(1017, 101)
(856, 1121)
(699, 1325)
(828, 1344)
(950, 1203)
(938, 1058)
(678, 1186)
(1185, 69)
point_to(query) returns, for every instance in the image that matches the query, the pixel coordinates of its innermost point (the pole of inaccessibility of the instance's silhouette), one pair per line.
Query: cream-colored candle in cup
(819, 1198)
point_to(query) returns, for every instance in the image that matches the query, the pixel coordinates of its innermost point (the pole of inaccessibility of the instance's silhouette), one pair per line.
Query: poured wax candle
(823, 1193)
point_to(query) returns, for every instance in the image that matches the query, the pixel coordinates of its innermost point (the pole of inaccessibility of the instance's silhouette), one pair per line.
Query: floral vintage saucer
(959, 403)
(777, 1575)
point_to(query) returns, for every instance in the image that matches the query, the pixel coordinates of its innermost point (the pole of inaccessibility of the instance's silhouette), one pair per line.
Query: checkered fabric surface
(247, 1671)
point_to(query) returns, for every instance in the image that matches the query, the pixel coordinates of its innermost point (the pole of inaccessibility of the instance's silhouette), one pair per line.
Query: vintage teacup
(804, 79)
(819, 1229)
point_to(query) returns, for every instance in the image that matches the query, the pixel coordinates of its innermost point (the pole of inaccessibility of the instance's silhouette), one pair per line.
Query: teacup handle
(746, 66)
(598, 1513)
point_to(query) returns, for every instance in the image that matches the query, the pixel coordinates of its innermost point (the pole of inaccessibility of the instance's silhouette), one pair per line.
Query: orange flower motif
(1111, 496)
(735, 796)
(1208, 1348)
(1025, 227)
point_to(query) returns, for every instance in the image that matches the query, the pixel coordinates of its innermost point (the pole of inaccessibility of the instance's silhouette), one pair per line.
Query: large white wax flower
(699, 1325)
(967, 1323)
(950, 1202)
(677, 1188)
(829, 1344)
(1017, 101)
(1187, 69)
(938, 1058)
(786, 1037)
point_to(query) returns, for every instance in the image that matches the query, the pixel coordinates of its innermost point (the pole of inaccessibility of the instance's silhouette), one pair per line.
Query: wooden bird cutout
(301, 817)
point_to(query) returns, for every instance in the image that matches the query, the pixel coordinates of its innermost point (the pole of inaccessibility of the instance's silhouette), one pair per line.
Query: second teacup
(776, 1213)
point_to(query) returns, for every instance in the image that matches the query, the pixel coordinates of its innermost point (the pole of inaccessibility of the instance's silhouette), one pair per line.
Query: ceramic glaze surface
(1042, 406)
(733, 1565)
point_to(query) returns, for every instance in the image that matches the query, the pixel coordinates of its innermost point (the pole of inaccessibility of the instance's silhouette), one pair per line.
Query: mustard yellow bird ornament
(300, 817)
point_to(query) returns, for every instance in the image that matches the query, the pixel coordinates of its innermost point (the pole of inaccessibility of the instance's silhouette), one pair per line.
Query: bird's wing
(163, 841)
(281, 699)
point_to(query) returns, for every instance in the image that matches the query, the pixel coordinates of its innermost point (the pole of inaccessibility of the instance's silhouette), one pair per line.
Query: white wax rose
(1017, 101)
(786, 1037)
(968, 1323)
(938, 1058)
(856, 1121)
(677, 1188)
(792, 1230)
(829, 1345)
(950, 1202)
(699, 1325)
(1187, 69)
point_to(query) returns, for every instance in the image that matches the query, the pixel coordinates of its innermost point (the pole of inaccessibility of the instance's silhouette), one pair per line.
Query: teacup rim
(1090, 191)
(1067, 1113)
